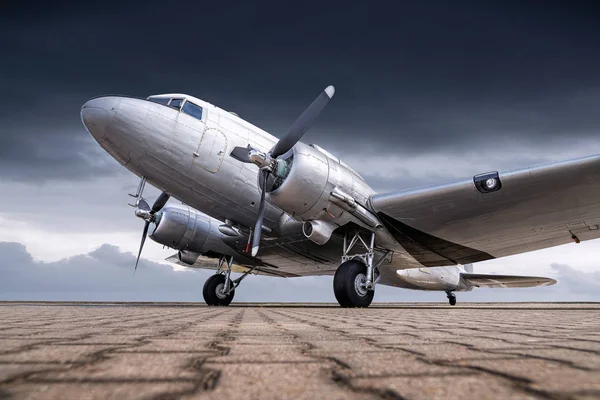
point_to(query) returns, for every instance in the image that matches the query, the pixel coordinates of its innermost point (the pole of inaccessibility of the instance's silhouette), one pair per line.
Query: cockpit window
(160, 100)
(192, 109)
(176, 103)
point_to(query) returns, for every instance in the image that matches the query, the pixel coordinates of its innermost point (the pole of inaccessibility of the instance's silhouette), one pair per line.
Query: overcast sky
(426, 92)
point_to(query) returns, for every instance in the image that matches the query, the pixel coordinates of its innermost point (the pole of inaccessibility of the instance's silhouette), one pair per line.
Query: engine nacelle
(192, 232)
(303, 187)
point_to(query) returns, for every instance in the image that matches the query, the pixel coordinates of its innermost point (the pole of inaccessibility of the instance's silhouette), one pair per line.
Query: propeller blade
(304, 121)
(261, 215)
(146, 225)
(143, 205)
(241, 154)
(160, 203)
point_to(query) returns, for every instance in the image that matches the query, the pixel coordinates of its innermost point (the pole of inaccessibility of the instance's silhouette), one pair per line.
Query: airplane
(255, 204)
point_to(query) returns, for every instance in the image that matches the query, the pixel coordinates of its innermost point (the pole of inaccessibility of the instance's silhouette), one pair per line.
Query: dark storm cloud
(415, 76)
(106, 274)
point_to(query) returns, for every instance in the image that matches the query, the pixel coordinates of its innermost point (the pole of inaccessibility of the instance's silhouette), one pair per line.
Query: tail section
(505, 281)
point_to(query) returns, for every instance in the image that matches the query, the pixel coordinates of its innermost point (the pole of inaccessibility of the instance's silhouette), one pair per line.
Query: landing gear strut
(355, 279)
(219, 289)
(451, 297)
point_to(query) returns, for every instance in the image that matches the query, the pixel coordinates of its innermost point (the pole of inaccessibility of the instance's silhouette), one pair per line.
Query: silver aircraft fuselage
(184, 156)
(189, 159)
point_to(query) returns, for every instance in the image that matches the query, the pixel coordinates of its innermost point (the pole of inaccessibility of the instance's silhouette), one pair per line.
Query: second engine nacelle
(186, 229)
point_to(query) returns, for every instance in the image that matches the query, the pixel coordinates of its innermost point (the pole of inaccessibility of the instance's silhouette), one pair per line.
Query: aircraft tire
(209, 291)
(451, 298)
(344, 285)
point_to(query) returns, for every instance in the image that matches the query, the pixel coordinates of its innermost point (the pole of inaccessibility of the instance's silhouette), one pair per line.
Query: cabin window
(176, 103)
(160, 100)
(191, 109)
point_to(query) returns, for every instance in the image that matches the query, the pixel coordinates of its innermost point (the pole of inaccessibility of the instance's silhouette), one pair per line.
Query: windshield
(176, 103)
(180, 104)
(160, 100)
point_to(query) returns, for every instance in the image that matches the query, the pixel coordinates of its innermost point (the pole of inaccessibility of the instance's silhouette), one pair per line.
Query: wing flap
(506, 281)
(535, 208)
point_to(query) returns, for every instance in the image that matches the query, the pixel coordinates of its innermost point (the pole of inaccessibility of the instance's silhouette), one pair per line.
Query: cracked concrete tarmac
(408, 351)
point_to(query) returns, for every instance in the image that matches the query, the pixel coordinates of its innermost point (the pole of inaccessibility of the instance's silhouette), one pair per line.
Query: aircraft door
(211, 150)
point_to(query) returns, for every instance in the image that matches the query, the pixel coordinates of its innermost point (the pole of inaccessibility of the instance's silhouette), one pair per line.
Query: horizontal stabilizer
(505, 281)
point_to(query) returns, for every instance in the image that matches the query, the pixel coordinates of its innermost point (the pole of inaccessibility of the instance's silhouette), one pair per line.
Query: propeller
(144, 234)
(266, 161)
(147, 214)
(241, 154)
(261, 214)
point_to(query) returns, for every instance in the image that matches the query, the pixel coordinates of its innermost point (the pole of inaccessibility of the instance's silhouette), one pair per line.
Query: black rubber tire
(452, 300)
(343, 285)
(210, 291)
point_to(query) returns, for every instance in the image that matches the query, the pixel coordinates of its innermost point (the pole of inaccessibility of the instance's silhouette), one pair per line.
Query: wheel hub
(360, 285)
(220, 291)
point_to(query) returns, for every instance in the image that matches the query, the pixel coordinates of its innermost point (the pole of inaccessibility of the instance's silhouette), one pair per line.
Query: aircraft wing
(212, 264)
(534, 208)
(505, 281)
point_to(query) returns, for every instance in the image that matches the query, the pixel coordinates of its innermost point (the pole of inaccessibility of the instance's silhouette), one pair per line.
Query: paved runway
(78, 351)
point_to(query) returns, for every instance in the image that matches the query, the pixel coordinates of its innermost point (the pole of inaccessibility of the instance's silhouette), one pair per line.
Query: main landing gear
(355, 279)
(219, 289)
(215, 292)
(451, 297)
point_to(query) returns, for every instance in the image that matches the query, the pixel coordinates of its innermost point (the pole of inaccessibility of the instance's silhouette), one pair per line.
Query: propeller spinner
(267, 161)
(148, 215)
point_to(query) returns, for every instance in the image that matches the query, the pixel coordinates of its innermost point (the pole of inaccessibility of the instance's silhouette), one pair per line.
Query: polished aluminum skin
(456, 279)
(189, 159)
(536, 208)
(183, 228)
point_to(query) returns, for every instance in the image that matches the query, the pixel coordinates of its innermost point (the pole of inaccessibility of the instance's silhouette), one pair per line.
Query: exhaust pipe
(188, 257)
(318, 231)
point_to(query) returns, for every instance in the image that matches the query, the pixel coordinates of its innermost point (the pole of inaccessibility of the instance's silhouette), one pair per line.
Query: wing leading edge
(535, 208)
(505, 281)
